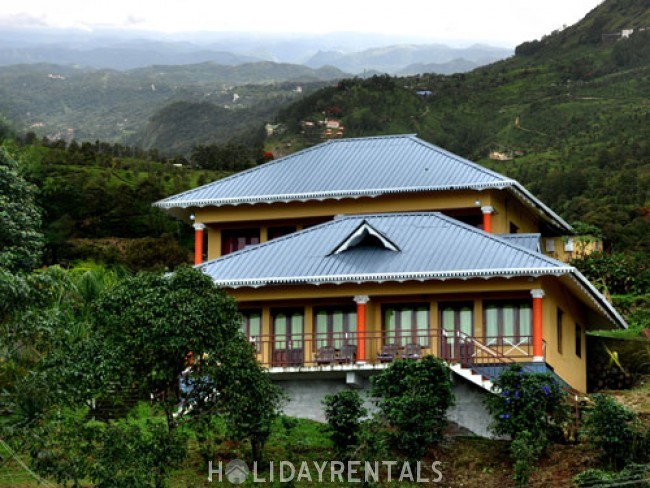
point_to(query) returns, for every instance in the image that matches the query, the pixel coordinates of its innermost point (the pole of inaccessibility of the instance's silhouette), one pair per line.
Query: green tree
(413, 398)
(21, 241)
(344, 411)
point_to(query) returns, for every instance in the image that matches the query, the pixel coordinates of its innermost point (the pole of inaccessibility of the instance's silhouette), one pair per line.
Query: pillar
(538, 339)
(362, 304)
(487, 210)
(198, 243)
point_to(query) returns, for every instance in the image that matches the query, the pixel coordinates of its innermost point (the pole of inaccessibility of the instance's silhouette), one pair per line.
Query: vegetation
(344, 411)
(413, 398)
(617, 433)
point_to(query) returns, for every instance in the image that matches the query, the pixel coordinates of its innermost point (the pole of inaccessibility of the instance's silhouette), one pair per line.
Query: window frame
(246, 327)
(348, 312)
(413, 336)
(518, 329)
(251, 236)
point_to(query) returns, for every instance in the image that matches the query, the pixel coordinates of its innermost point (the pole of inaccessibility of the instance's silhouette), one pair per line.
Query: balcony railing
(326, 350)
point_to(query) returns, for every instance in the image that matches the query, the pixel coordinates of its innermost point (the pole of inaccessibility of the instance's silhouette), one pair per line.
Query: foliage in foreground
(616, 432)
(344, 411)
(413, 398)
(529, 408)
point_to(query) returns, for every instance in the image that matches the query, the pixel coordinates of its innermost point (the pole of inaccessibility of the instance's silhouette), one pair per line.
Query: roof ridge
(248, 171)
(463, 160)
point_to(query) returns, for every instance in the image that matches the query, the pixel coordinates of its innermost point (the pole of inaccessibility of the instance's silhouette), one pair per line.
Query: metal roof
(529, 241)
(353, 168)
(428, 246)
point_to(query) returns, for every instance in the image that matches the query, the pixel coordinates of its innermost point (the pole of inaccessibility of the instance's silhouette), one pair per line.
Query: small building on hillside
(355, 252)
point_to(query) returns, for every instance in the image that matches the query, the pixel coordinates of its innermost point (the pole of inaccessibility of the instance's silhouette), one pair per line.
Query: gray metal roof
(428, 246)
(529, 241)
(352, 168)
(431, 246)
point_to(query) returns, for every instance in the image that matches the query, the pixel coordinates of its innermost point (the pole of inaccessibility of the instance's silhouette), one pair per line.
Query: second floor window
(236, 239)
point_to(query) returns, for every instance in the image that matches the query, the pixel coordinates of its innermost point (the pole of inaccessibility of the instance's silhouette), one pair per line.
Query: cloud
(22, 21)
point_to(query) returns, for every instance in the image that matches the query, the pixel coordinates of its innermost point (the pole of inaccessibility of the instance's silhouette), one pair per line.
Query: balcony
(375, 350)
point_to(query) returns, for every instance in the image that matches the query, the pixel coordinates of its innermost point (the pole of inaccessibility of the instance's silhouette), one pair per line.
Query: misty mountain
(394, 59)
(121, 50)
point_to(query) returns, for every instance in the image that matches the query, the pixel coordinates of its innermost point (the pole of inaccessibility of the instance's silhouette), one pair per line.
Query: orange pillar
(198, 243)
(538, 339)
(362, 303)
(487, 218)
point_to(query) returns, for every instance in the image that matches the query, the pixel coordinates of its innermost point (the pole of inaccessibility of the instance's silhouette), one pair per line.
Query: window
(288, 338)
(578, 341)
(275, 232)
(560, 315)
(508, 322)
(252, 327)
(287, 329)
(408, 324)
(335, 326)
(457, 321)
(237, 239)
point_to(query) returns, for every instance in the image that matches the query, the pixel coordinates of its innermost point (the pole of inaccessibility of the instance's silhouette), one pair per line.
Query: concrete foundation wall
(306, 394)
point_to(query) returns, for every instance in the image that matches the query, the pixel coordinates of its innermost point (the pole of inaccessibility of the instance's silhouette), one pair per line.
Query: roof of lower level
(353, 168)
(391, 248)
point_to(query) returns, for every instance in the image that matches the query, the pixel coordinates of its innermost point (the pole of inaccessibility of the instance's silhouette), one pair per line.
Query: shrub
(413, 398)
(527, 402)
(524, 451)
(344, 411)
(616, 432)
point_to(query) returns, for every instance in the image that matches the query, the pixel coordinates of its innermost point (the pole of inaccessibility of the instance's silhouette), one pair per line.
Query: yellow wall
(507, 210)
(567, 365)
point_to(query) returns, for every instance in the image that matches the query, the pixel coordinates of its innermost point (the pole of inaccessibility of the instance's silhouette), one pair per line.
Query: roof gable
(365, 236)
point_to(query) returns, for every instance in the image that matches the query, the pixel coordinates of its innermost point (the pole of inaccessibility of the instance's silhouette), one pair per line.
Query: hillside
(568, 116)
(114, 106)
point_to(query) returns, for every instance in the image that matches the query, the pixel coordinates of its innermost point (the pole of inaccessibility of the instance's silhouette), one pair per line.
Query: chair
(325, 355)
(412, 351)
(348, 354)
(388, 353)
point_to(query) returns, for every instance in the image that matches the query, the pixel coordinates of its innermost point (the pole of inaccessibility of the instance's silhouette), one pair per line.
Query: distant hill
(114, 106)
(568, 116)
(448, 68)
(395, 59)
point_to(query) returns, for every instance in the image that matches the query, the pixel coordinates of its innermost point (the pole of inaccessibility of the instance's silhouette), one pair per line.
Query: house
(349, 254)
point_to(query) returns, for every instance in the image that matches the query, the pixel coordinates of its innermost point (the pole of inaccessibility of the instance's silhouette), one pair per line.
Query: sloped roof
(428, 246)
(353, 168)
(529, 241)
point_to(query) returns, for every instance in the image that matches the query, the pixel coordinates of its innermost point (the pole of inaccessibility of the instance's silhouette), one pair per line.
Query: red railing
(311, 350)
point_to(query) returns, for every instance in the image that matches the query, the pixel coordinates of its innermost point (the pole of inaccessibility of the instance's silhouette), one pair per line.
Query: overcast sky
(501, 22)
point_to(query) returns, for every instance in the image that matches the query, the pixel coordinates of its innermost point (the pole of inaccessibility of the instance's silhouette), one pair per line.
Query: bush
(627, 477)
(524, 451)
(344, 411)
(527, 402)
(413, 398)
(616, 432)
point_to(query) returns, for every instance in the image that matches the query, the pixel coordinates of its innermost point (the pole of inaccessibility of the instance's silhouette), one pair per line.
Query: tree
(413, 398)
(21, 241)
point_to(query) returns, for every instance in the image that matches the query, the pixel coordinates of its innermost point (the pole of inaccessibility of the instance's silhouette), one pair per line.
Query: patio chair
(348, 354)
(388, 353)
(412, 351)
(325, 355)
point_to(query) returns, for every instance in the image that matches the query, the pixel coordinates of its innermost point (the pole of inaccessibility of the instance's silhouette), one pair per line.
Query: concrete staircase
(470, 375)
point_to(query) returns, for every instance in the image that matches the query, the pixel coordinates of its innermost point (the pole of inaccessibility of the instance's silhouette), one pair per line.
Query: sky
(498, 22)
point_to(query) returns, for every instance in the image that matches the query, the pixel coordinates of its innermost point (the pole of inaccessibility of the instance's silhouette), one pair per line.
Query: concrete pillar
(362, 303)
(487, 210)
(538, 339)
(198, 243)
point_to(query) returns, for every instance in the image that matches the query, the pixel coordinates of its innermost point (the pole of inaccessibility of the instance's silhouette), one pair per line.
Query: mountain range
(352, 53)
